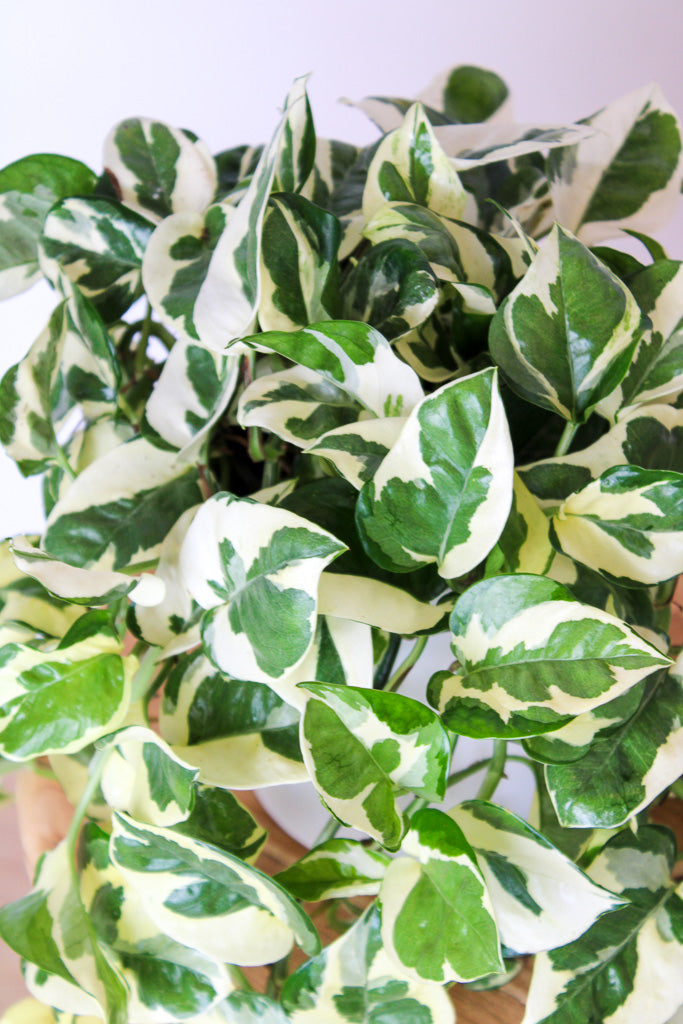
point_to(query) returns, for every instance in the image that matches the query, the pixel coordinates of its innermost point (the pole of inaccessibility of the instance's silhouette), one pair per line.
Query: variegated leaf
(628, 966)
(378, 604)
(120, 509)
(337, 868)
(255, 569)
(525, 540)
(28, 188)
(353, 980)
(648, 436)
(392, 287)
(201, 271)
(626, 525)
(626, 174)
(297, 149)
(219, 819)
(165, 979)
(159, 169)
(476, 145)
(357, 450)
(540, 898)
(656, 370)
(244, 1007)
(468, 94)
(299, 405)
(361, 745)
(238, 735)
(521, 641)
(51, 931)
(333, 162)
(299, 274)
(627, 768)
(85, 677)
(438, 879)
(196, 892)
(443, 492)
(145, 778)
(84, 586)
(456, 251)
(354, 357)
(409, 164)
(565, 336)
(191, 394)
(98, 245)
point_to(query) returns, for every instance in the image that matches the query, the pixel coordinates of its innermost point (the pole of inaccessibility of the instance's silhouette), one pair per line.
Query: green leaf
(472, 94)
(540, 898)
(628, 965)
(625, 174)
(625, 770)
(86, 679)
(98, 245)
(565, 336)
(442, 494)
(299, 275)
(438, 880)
(337, 868)
(159, 169)
(353, 982)
(121, 507)
(255, 569)
(532, 657)
(28, 188)
(626, 525)
(391, 287)
(410, 165)
(189, 887)
(360, 745)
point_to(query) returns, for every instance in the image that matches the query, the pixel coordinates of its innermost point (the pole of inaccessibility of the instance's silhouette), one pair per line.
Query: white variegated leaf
(377, 603)
(540, 898)
(356, 450)
(625, 174)
(520, 640)
(476, 145)
(159, 169)
(443, 492)
(355, 971)
(337, 868)
(244, 918)
(438, 878)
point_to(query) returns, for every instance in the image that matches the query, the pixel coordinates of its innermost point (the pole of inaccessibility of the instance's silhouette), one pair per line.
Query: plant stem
(566, 439)
(328, 831)
(240, 978)
(96, 768)
(406, 665)
(145, 674)
(387, 663)
(277, 978)
(465, 773)
(495, 771)
(64, 462)
(141, 349)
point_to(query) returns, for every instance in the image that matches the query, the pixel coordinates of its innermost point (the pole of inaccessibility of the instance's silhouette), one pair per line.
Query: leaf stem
(386, 664)
(495, 772)
(277, 978)
(406, 665)
(328, 831)
(564, 444)
(95, 774)
(464, 773)
(141, 348)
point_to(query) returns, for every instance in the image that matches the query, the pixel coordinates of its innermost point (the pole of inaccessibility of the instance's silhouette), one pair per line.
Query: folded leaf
(443, 492)
(194, 891)
(532, 657)
(361, 745)
(339, 867)
(540, 898)
(438, 880)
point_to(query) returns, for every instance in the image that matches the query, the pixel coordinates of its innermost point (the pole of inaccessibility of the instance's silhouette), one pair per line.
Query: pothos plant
(297, 404)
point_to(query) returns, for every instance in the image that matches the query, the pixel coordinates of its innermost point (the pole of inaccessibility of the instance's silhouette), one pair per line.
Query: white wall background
(70, 70)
